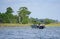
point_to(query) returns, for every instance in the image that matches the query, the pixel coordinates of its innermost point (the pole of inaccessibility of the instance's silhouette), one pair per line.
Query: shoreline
(21, 25)
(53, 24)
(13, 25)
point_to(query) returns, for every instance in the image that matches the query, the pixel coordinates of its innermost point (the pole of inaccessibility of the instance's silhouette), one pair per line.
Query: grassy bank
(13, 25)
(53, 24)
(8, 25)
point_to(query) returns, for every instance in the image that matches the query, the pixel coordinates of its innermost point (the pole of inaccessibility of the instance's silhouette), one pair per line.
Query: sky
(39, 8)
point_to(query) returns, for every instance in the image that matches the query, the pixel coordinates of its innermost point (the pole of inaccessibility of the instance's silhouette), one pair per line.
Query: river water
(29, 33)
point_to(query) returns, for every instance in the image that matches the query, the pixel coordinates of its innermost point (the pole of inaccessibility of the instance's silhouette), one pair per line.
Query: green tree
(9, 10)
(23, 14)
(48, 21)
(3, 18)
(34, 20)
(9, 14)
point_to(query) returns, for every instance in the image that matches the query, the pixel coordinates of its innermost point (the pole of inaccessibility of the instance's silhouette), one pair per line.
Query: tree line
(22, 17)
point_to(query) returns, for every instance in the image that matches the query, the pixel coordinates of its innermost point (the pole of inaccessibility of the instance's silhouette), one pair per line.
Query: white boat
(41, 26)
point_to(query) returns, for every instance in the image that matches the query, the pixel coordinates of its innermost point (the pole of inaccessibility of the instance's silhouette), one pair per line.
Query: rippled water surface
(29, 33)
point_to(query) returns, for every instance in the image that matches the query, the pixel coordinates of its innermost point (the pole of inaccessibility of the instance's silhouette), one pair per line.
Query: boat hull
(40, 27)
